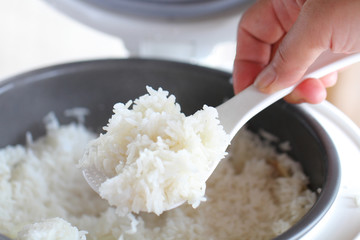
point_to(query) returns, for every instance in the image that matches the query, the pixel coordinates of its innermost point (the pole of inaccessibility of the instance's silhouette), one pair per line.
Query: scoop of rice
(40, 181)
(154, 156)
(51, 229)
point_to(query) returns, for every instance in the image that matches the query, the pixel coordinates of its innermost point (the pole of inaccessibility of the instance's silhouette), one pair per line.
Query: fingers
(289, 64)
(253, 55)
(258, 30)
(245, 73)
(312, 90)
(278, 40)
(305, 41)
(329, 80)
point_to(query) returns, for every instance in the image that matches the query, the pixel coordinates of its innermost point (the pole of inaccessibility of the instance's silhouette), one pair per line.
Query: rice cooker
(191, 31)
(196, 31)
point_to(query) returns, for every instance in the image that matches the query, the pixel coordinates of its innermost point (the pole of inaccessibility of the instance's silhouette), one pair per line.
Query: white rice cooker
(194, 31)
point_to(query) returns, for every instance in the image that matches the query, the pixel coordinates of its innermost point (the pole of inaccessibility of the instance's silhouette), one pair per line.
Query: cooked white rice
(254, 194)
(154, 156)
(51, 229)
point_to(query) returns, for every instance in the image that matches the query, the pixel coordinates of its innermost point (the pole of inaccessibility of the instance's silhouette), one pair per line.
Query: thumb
(298, 50)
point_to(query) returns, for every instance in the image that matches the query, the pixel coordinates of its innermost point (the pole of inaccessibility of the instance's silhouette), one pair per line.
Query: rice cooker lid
(168, 8)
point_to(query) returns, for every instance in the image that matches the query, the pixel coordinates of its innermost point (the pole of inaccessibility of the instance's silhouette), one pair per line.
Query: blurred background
(34, 35)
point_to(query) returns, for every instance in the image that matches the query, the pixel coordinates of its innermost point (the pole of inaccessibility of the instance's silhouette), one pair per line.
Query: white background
(33, 35)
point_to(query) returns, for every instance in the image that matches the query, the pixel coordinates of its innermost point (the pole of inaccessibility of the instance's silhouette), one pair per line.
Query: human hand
(279, 39)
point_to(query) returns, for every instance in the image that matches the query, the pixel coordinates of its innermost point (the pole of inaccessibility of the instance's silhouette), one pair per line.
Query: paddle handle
(234, 113)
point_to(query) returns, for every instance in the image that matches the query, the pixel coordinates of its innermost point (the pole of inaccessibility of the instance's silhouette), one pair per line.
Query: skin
(278, 40)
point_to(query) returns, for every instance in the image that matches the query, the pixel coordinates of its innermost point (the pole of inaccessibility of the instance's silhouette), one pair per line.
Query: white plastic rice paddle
(234, 113)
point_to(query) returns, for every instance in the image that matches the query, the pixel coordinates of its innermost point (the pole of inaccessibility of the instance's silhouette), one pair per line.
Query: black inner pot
(25, 100)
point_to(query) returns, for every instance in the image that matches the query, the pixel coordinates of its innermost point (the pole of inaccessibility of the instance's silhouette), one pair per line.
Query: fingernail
(265, 78)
